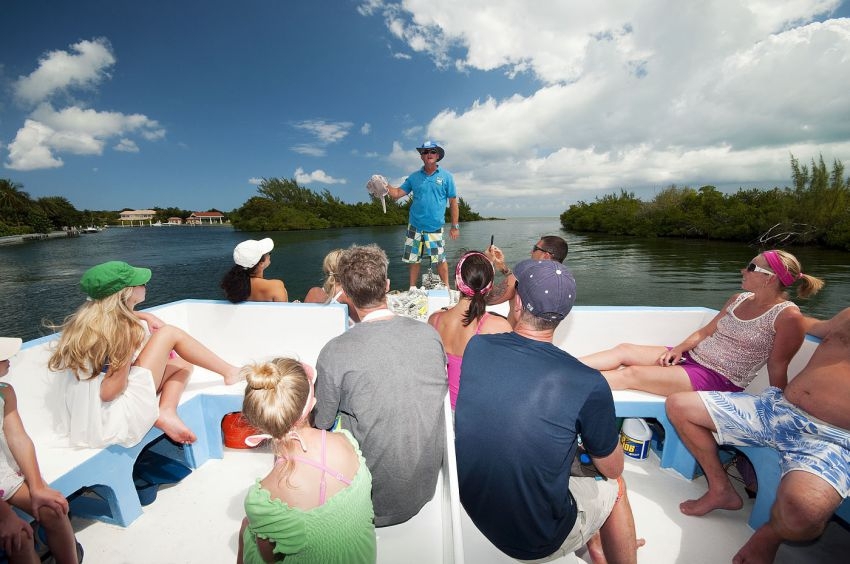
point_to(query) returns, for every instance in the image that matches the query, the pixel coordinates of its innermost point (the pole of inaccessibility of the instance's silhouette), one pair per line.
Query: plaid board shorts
(768, 419)
(419, 244)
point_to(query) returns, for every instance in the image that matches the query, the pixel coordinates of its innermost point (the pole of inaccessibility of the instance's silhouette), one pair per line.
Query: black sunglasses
(536, 248)
(429, 152)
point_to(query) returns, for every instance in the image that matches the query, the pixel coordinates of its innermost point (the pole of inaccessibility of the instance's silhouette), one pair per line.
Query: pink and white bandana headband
(778, 267)
(463, 286)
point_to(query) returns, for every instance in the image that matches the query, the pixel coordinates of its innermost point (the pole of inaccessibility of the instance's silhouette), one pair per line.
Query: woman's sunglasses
(753, 267)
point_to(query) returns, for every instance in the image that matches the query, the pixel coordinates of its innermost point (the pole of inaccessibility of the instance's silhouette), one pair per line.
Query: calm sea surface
(39, 279)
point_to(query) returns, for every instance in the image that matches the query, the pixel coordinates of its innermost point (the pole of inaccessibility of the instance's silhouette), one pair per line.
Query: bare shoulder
(495, 323)
(434, 319)
(791, 314)
(8, 394)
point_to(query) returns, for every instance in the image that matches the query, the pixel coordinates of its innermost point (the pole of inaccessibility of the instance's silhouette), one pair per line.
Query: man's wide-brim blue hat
(431, 145)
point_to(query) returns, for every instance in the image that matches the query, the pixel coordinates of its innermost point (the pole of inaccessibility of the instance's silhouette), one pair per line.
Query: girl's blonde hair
(808, 285)
(329, 267)
(99, 332)
(275, 396)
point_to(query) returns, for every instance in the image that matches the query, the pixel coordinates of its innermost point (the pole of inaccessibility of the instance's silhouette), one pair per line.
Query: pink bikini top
(321, 466)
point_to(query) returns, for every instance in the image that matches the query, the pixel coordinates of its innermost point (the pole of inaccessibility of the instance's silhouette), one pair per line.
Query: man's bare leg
(414, 275)
(694, 425)
(443, 271)
(804, 503)
(619, 544)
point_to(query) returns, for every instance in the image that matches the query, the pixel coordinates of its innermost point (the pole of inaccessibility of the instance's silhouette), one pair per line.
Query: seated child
(119, 369)
(21, 484)
(316, 503)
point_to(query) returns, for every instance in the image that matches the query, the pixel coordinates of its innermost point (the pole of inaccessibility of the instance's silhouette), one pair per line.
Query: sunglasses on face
(536, 248)
(753, 267)
(429, 152)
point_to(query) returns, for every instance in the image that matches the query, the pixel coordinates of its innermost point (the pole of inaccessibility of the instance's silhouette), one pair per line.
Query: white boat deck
(198, 521)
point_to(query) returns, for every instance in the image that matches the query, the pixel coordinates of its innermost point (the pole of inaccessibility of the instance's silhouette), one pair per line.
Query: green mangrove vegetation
(814, 211)
(283, 205)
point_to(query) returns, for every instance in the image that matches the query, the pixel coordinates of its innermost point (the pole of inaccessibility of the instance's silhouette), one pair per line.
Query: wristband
(456, 226)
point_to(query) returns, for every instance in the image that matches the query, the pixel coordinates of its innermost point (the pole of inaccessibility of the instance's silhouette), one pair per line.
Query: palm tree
(14, 202)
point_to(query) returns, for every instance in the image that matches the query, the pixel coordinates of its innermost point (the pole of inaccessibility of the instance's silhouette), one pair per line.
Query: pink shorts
(705, 379)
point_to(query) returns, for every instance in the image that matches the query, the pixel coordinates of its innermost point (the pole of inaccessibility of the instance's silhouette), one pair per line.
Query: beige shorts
(594, 499)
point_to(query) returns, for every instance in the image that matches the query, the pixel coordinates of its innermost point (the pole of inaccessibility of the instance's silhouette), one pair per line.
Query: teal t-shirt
(430, 194)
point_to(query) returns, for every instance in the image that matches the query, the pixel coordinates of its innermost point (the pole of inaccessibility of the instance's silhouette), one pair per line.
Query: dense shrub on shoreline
(816, 211)
(283, 205)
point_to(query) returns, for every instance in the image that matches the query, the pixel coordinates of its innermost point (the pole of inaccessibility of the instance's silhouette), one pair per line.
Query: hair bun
(263, 376)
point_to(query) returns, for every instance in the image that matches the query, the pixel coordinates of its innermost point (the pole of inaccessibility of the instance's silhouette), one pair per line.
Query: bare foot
(726, 499)
(174, 427)
(233, 376)
(760, 549)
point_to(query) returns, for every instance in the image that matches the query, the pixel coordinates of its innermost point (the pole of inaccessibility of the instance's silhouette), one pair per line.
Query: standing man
(386, 378)
(549, 247)
(808, 423)
(521, 406)
(432, 187)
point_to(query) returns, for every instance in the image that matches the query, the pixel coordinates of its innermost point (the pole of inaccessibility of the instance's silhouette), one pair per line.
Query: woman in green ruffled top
(316, 503)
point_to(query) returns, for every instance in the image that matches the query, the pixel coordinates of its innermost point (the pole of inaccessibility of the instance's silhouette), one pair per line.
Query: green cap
(105, 279)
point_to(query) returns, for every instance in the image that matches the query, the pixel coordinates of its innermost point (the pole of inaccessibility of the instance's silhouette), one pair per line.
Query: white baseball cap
(9, 347)
(248, 253)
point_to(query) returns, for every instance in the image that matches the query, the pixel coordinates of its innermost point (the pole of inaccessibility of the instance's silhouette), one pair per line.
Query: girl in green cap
(119, 368)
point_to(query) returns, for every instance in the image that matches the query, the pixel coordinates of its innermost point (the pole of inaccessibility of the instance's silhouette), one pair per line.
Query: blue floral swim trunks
(803, 442)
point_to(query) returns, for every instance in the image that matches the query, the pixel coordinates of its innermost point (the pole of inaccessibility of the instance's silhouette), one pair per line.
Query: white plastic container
(635, 436)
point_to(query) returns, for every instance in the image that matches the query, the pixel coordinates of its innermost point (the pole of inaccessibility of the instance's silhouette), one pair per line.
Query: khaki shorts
(594, 499)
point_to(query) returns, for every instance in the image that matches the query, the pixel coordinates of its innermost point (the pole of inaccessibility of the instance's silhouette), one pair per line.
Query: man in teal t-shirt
(432, 187)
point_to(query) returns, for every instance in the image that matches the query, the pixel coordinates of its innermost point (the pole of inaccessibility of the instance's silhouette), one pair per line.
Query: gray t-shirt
(387, 379)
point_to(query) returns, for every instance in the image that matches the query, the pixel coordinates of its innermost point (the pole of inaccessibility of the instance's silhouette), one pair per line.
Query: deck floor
(198, 520)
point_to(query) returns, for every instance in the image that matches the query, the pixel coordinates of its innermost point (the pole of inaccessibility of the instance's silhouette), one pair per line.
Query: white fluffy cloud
(326, 132)
(74, 129)
(318, 175)
(84, 66)
(632, 94)
(127, 146)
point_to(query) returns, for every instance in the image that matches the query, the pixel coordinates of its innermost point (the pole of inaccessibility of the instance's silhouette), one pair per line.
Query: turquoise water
(38, 280)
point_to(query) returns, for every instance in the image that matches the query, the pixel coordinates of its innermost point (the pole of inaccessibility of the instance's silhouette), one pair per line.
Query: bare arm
(153, 321)
(504, 290)
(395, 192)
(115, 382)
(610, 466)
(674, 355)
(23, 451)
(789, 337)
(820, 328)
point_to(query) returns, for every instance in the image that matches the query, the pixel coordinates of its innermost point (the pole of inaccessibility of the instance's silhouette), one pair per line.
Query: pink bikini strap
(481, 322)
(323, 467)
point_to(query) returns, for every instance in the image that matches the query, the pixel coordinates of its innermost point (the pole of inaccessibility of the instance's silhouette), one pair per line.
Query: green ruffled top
(340, 531)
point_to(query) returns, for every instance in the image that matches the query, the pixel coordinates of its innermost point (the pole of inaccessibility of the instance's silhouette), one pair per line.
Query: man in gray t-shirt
(386, 377)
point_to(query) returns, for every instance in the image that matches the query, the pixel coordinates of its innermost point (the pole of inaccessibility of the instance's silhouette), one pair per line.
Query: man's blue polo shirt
(430, 194)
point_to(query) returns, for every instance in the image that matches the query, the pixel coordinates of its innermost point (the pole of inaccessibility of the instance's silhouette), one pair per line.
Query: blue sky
(538, 103)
